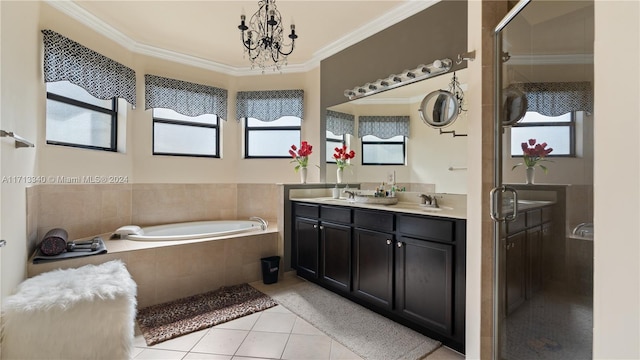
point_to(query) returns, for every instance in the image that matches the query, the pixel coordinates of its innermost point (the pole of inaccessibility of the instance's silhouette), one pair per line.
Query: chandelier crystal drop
(263, 37)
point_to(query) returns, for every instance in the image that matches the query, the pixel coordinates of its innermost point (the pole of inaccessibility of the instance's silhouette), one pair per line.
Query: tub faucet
(263, 222)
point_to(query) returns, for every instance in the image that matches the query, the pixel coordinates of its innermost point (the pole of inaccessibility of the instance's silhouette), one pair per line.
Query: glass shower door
(543, 200)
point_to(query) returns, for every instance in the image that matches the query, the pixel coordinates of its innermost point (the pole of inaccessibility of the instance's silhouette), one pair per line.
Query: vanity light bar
(406, 77)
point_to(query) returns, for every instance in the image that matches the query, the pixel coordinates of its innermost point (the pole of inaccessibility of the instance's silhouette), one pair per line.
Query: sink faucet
(350, 193)
(432, 200)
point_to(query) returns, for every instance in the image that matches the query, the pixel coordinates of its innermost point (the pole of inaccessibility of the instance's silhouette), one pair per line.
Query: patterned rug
(166, 321)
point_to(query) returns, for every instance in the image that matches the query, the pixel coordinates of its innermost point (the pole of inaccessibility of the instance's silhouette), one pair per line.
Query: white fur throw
(83, 313)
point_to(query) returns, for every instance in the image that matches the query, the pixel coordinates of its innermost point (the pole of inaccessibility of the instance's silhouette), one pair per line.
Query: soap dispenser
(336, 192)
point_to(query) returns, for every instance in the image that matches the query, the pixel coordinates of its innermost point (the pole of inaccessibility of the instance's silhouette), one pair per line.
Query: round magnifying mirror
(514, 105)
(439, 108)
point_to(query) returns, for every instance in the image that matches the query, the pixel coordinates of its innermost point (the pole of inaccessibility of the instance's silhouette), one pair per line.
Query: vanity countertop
(524, 205)
(401, 207)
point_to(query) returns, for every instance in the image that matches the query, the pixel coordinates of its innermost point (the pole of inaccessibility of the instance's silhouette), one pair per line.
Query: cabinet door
(534, 257)
(336, 255)
(515, 270)
(424, 283)
(307, 250)
(373, 267)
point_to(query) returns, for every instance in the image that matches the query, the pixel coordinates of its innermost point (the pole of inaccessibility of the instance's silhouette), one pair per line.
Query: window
(558, 132)
(76, 118)
(377, 151)
(271, 139)
(333, 141)
(180, 135)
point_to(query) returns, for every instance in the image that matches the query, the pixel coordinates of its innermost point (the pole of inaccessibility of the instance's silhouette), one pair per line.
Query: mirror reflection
(545, 264)
(439, 108)
(421, 157)
(514, 105)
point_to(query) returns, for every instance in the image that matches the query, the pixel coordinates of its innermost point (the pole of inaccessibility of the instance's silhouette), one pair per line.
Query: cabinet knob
(315, 226)
(389, 241)
(399, 244)
(321, 227)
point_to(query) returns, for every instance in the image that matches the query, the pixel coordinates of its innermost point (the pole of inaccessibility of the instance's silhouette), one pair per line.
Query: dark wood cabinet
(335, 255)
(534, 261)
(515, 278)
(307, 247)
(424, 282)
(373, 267)
(408, 267)
(526, 255)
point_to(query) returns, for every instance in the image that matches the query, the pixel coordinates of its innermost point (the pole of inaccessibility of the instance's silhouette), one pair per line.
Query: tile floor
(275, 333)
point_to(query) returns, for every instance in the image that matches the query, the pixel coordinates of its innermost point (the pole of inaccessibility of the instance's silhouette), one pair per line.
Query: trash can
(270, 267)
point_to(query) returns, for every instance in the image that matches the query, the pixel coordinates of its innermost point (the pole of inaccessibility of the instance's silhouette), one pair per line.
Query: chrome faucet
(263, 223)
(350, 193)
(429, 200)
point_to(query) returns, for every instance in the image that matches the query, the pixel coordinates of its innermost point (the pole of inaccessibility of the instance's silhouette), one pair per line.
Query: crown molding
(78, 13)
(83, 16)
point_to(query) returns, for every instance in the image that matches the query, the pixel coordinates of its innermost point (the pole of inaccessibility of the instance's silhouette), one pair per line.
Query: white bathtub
(190, 230)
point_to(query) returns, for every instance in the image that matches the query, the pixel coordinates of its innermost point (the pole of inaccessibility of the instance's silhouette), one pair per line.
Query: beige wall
(20, 74)
(617, 181)
(475, 159)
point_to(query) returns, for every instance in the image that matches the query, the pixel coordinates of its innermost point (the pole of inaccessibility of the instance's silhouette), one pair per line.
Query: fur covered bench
(83, 313)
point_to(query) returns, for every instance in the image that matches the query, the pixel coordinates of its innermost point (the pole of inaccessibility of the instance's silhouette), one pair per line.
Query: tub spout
(263, 222)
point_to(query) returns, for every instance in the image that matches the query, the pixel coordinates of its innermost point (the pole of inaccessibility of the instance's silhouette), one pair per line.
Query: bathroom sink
(370, 199)
(529, 202)
(434, 209)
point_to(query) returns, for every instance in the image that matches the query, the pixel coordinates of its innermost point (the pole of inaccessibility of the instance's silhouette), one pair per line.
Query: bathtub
(191, 230)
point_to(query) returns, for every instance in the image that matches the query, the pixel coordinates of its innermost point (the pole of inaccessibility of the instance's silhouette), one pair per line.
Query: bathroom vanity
(527, 243)
(403, 262)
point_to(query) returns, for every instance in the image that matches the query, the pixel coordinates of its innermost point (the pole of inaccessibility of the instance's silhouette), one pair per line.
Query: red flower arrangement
(534, 153)
(342, 155)
(301, 156)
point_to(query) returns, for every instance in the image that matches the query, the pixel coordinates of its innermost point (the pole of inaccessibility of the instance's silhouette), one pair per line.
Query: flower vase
(530, 175)
(303, 175)
(339, 175)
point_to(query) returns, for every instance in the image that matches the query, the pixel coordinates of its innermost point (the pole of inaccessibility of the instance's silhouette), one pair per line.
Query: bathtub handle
(263, 222)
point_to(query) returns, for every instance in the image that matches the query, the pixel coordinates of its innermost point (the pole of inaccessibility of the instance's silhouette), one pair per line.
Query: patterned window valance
(184, 97)
(340, 123)
(384, 127)
(555, 99)
(103, 78)
(269, 105)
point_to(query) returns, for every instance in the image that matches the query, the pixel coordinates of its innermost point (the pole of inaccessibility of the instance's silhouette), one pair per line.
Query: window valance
(557, 98)
(340, 123)
(184, 97)
(383, 127)
(269, 105)
(103, 78)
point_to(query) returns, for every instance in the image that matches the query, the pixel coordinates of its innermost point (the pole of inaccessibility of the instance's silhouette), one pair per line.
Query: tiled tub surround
(87, 210)
(163, 270)
(168, 270)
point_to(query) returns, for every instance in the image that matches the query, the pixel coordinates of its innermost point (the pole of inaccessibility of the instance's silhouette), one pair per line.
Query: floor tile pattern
(275, 333)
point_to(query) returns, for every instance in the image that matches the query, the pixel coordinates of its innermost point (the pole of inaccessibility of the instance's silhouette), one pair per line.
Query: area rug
(166, 321)
(361, 330)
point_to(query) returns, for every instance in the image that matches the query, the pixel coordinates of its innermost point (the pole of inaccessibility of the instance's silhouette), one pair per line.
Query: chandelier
(263, 38)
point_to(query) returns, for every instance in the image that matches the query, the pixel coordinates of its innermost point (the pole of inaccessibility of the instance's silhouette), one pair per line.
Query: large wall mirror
(430, 158)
